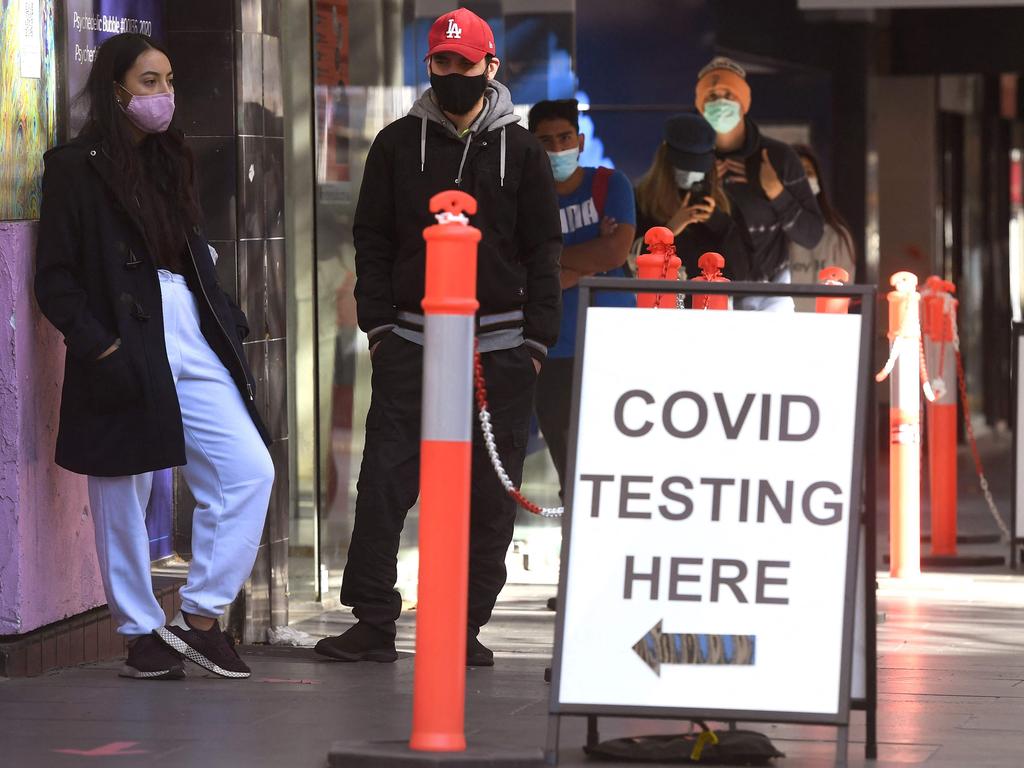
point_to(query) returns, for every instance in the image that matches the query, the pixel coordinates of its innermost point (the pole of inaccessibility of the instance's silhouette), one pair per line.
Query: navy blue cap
(691, 142)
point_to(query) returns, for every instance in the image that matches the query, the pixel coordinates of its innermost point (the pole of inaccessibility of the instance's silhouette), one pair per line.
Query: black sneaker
(149, 659)
(478, 654)
(211, 649)
(359, 643)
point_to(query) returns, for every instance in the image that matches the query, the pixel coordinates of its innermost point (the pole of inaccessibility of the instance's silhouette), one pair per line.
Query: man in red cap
(460, 134)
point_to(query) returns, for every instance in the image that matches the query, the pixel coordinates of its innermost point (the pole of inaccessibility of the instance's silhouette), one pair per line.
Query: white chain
(484, 416)
(968, 427)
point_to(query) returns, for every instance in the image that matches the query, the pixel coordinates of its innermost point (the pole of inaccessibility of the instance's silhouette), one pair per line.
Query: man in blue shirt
(598, 225)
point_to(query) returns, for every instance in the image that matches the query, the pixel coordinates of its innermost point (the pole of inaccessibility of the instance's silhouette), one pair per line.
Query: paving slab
(951, 695)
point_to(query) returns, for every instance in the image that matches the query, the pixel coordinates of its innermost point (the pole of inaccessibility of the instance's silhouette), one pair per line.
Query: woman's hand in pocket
(111, 349)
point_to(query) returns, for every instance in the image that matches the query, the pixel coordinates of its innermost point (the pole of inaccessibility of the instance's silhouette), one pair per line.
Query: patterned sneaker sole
(383, 656)
(174, 673)
(190, 653)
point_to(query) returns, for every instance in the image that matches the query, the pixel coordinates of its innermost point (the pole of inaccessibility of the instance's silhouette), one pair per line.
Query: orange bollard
(833, 305)
(938, 324)
(449, 306)
(660, 263)
(711, 265)
(904, 427)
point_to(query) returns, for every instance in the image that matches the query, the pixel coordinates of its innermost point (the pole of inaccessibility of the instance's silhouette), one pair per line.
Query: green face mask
(723, 114)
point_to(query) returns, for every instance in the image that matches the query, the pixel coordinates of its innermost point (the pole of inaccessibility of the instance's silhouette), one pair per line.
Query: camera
(699, 191)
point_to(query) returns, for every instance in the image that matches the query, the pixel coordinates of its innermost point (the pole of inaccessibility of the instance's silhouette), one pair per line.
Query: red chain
(670, 251)
(478, 378)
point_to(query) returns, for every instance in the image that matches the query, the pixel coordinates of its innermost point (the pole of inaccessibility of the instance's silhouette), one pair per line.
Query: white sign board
(1018, 510)
(710, 559)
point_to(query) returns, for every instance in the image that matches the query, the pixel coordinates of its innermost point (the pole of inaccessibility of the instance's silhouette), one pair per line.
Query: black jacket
(517, 265)
(768, 226)
(96, 281)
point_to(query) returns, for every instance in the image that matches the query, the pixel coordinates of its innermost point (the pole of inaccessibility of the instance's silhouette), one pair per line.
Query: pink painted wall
(48, 565)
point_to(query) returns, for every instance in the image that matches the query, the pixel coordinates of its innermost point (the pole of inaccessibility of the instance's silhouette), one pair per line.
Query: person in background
(597, 215)
(772, 202)
(155, 375)
(836, 246)
(681, 190)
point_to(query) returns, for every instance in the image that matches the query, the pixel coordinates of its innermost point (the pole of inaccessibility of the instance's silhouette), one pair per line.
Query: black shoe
(211, 649)
(149, 659)
(359, 643)
(552, 603)
(478, 654)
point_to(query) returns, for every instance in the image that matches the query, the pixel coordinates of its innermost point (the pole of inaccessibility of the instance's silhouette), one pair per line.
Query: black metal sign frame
(1016, 511)
(863, 495)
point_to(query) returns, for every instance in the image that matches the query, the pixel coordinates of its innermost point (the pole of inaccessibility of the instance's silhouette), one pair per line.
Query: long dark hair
(162, 159)
(832, 217)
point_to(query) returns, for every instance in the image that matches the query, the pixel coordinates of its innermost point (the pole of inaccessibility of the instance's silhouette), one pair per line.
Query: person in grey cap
(764, 179)
(682, 191)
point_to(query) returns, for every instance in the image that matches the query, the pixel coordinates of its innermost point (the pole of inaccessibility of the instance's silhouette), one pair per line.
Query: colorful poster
(28, 99)
(31, 44)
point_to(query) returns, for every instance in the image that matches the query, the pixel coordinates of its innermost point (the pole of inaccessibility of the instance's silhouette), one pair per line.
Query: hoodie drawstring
(465, 152)
(502, 161)
(423, 143)
(462, 163)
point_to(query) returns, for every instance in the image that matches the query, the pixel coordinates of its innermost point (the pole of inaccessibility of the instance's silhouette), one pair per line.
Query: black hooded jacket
(768, 226)
(506, 170)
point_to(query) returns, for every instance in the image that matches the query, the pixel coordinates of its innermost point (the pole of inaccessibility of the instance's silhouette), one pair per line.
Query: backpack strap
(599, 189)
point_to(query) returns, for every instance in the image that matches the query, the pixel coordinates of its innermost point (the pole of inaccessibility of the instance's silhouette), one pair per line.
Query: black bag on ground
(707, 747)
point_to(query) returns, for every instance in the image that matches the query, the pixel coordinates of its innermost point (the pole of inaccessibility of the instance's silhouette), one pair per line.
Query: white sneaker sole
(190, 653)
(138, 674)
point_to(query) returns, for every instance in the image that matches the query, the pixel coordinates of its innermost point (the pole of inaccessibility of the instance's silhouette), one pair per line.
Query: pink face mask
(150, 114)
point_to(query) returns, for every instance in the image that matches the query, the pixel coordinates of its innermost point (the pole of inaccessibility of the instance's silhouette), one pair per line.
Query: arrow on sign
(657, 648)
(112, 749)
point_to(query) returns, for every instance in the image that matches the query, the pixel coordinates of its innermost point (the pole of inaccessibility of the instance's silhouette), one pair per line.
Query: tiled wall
(227, 60)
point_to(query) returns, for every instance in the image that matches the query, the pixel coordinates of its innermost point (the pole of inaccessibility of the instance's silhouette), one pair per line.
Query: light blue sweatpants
(229, 472)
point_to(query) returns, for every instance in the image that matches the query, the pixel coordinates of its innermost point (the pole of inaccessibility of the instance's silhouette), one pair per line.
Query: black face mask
(457, 94)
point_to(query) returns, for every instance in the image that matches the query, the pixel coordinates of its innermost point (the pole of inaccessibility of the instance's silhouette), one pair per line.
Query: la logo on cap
(454, 30)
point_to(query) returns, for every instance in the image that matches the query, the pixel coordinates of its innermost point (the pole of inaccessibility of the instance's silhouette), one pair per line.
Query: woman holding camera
(681, 191)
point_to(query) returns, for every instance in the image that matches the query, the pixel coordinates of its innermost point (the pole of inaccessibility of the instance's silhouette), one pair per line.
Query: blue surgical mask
(723, 114)
(686, 179)
(564, 163)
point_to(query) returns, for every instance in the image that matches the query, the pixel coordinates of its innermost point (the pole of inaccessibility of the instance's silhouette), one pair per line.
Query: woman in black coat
(155, 375)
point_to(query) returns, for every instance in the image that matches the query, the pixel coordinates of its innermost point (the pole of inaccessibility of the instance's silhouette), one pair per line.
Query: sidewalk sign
(712, 535)
(1017, 513)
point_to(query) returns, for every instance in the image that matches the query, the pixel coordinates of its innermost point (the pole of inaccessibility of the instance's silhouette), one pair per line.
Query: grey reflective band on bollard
(448, 378)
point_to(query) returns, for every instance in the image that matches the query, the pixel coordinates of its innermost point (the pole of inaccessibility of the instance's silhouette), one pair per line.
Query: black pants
(389, 480)
(553, 404)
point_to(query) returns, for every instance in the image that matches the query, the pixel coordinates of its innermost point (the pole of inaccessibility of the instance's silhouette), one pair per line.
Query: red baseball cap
(461, 32)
